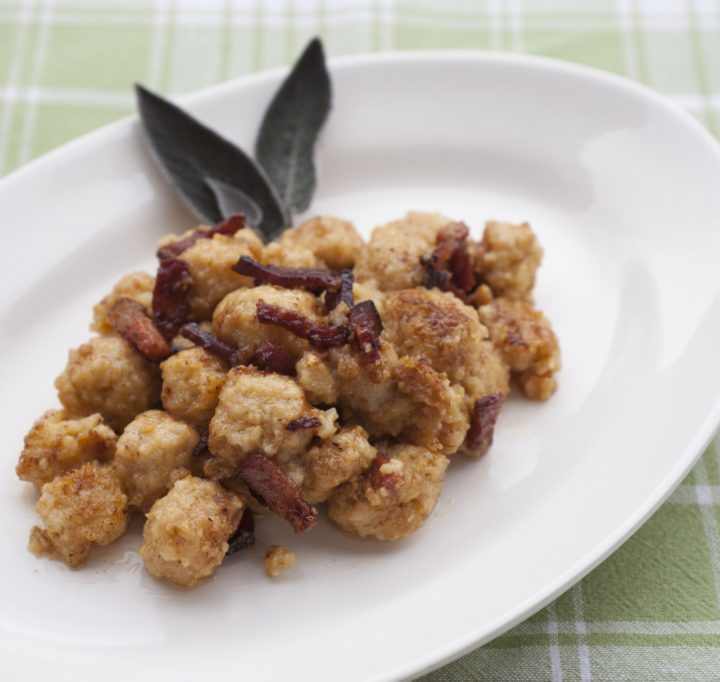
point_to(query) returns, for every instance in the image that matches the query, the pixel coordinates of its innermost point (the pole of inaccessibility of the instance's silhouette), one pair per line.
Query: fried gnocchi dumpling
(210, 262)
(334, 461)
(439, 328)
(108, 376)
(394, 498)
(391, 259)
(405, 398)
(256, 411)
(509, 258)
(317, 379)
(235, 319)
(152, 448)
(192, 381)
(439, 419)
(81, 508)
(55, 445)
(186, 533)
(250, 238)
(335, 242)
(527, 343)
(287, 255)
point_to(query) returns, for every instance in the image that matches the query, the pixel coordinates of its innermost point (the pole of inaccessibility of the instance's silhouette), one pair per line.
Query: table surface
(652, 610)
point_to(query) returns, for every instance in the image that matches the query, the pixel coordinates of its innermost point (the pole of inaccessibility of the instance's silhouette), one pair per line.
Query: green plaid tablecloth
(651, 611)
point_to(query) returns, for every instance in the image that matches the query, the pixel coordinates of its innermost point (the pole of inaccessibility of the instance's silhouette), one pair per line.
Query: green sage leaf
(286, 142)
(188, 152)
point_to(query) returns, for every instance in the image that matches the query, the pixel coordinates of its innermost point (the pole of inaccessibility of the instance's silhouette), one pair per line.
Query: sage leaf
(188, 152)
(232, 200)
(286, 142)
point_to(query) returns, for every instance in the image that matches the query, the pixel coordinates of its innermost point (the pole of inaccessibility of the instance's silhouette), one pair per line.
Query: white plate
(623, 190)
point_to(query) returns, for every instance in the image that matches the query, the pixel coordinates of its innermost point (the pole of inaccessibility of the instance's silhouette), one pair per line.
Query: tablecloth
(652, 610)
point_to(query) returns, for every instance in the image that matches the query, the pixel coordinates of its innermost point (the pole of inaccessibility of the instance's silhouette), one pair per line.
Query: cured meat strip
(130, 319)
(268, 480)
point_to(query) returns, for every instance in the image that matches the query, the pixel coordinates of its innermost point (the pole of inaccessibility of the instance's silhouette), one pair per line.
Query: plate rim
(685, 461)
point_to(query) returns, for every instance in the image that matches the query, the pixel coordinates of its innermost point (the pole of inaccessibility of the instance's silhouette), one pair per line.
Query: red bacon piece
(170, 301)
(377, 479)
(442, 279)
(318, 335)
(460, 265)
(130, 319)
(269, 481)
(366, 327)
(344, 294)
(450, 238)
(485, 412)
(314, 280)
(449, 268)
(210, 342)
(272, 358)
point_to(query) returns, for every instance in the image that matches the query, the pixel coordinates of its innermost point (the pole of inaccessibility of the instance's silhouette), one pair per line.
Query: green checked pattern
(651, 611)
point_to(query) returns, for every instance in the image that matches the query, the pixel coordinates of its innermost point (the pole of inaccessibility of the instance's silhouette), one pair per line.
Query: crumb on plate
(277, 560)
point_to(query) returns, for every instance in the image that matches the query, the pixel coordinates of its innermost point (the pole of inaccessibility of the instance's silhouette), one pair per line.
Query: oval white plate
(624, 192)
